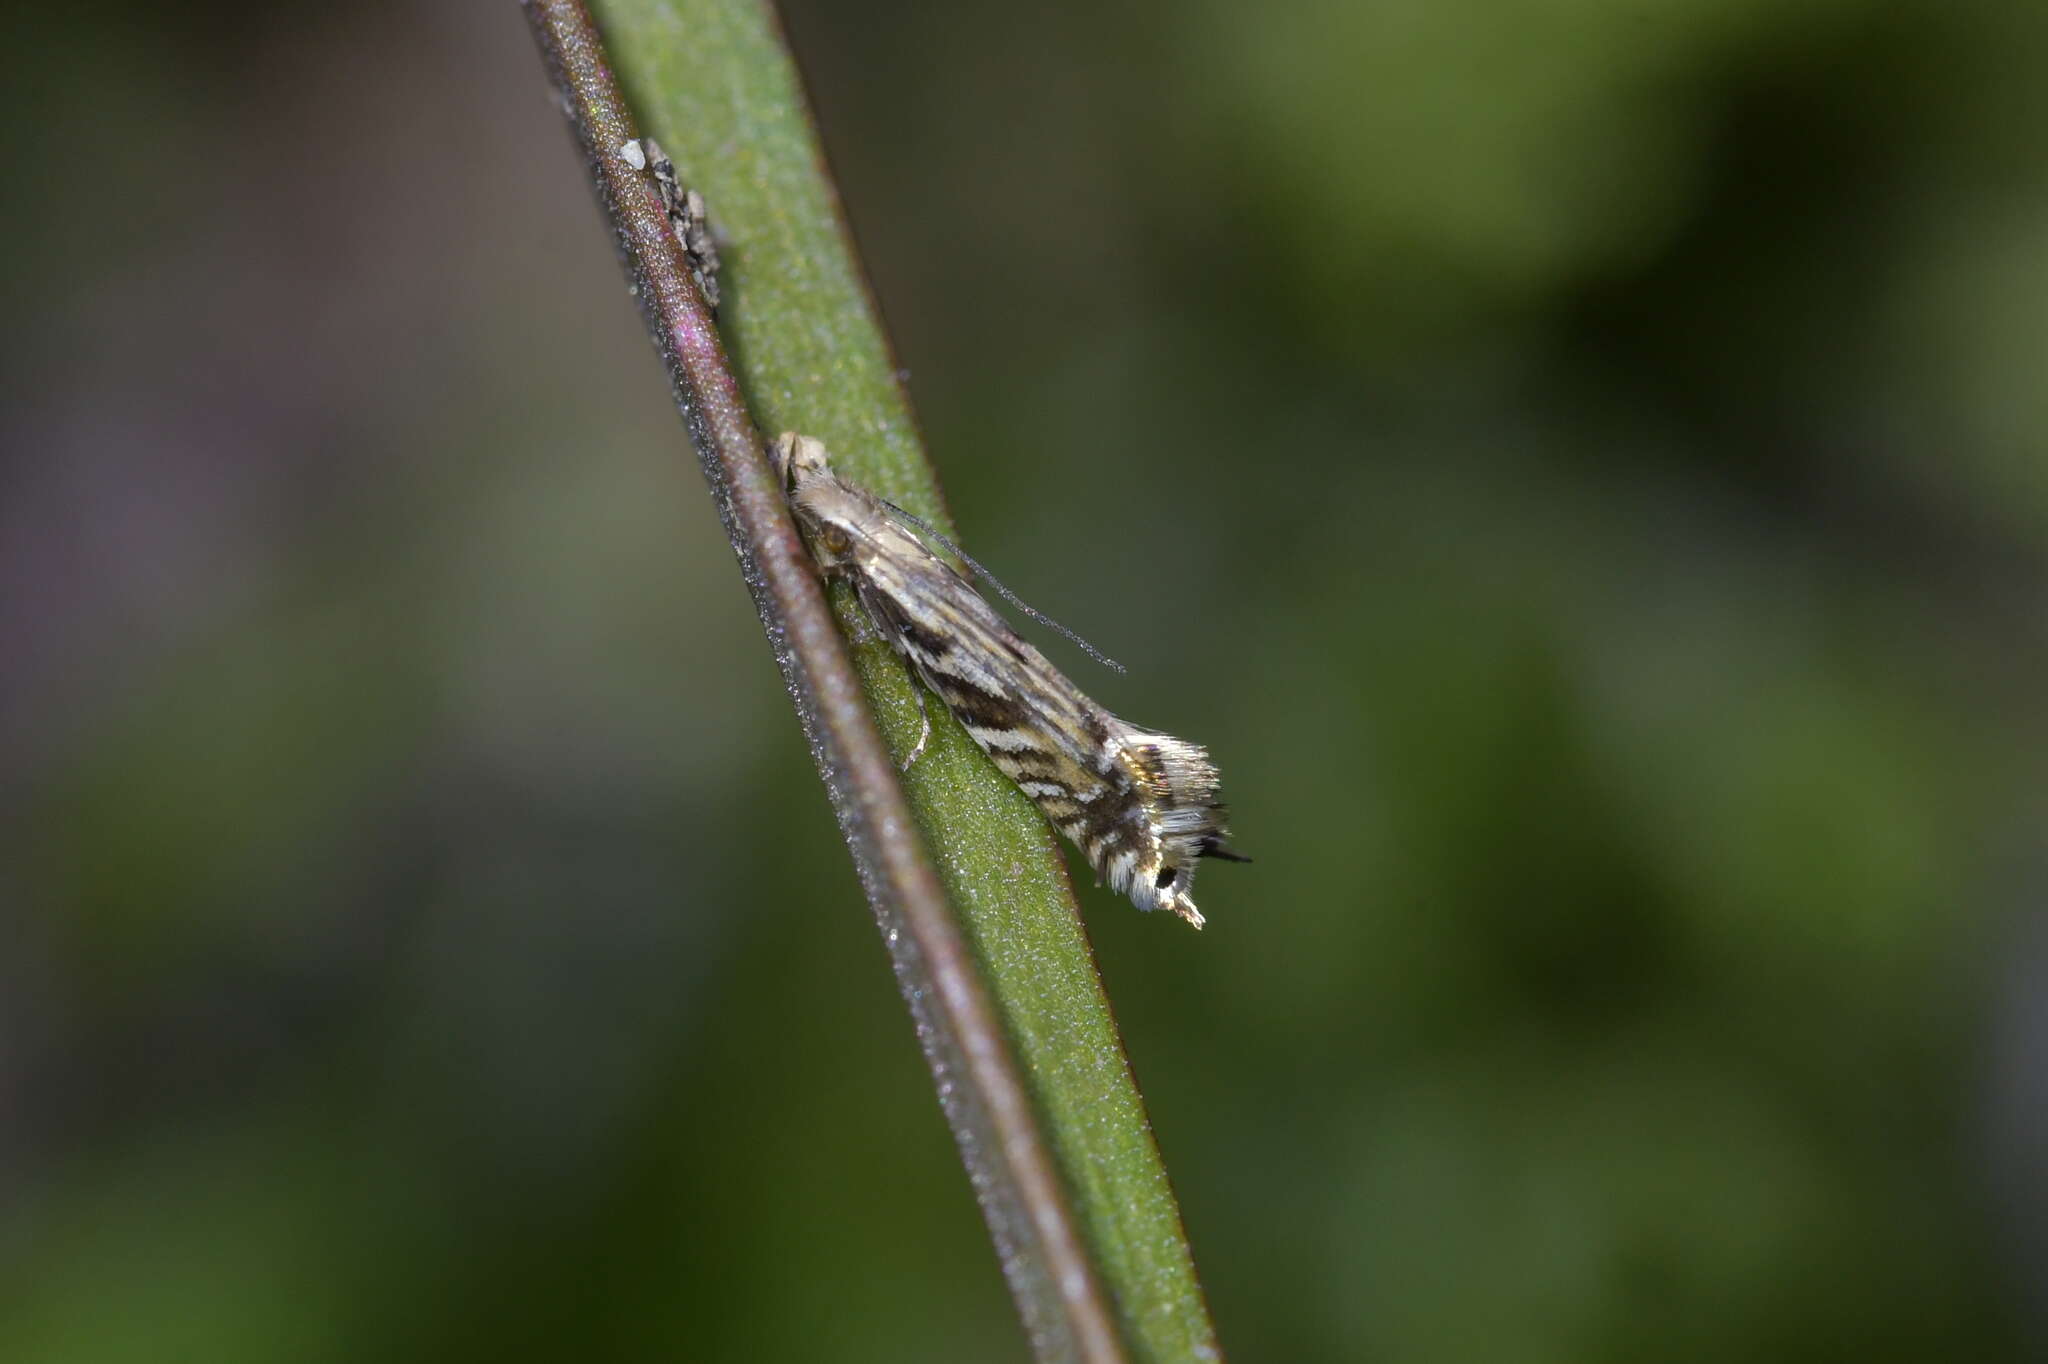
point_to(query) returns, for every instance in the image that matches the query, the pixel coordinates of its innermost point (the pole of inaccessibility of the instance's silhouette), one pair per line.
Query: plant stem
(1009, 1008)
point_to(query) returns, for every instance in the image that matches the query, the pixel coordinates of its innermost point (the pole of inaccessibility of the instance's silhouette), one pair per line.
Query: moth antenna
(1005, 593)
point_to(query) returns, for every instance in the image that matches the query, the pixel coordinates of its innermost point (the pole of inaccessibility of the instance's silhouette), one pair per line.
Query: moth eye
(1165, 878)
(835, 539)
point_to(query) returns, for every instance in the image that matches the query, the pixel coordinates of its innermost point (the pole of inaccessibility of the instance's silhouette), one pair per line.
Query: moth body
(1141, 806)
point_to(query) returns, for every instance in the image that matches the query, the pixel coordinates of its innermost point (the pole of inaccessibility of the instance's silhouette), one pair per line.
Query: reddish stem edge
(1056, 1285)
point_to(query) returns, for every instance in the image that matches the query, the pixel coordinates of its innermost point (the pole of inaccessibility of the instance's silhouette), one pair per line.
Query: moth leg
(924, 721)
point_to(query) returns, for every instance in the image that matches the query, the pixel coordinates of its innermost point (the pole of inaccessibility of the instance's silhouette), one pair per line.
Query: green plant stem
(1008, 1005)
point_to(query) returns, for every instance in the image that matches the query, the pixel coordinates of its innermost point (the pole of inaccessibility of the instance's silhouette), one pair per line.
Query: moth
(1141, 806)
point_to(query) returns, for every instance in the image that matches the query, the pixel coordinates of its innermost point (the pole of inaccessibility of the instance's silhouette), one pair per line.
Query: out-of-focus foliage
(1580, 467)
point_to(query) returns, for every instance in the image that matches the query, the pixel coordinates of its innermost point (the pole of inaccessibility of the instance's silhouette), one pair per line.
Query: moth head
(797, 458)
(834, 518)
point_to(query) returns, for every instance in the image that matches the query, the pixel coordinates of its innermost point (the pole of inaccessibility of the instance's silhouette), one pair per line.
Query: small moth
(687, 215)
(1140, 806)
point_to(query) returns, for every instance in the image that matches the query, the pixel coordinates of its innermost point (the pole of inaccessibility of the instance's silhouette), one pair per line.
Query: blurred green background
(1580, 466)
